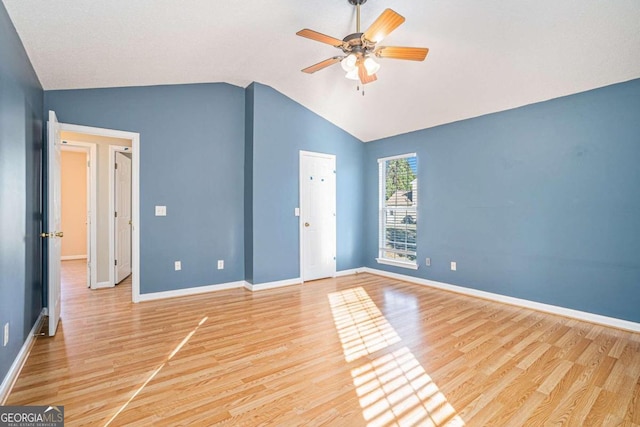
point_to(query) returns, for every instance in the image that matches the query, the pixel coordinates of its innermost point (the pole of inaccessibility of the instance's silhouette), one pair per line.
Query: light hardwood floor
(360, 350)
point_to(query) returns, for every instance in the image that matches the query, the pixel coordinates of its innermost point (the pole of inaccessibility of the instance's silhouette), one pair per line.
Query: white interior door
(54, 234)
(317, 215)
(123, 217)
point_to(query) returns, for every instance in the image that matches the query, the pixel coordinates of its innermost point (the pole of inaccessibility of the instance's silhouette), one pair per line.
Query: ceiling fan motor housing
(357, 2)
(352, 43)
(355, 43)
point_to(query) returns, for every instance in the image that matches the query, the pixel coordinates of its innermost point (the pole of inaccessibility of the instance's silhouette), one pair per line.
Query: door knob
(45, 235)
(306, 224)
(59, 234)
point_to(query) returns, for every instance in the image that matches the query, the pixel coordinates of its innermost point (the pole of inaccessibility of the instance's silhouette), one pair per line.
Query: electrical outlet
(220, 264)
(5, 340)
(427, 262)
(453, 266)
(178, 265)
(161, 211)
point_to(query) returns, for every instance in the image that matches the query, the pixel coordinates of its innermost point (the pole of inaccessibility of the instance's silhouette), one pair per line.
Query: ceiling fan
(360, 48)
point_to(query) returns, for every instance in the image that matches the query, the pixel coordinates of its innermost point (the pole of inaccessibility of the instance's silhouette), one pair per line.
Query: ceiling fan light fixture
(353, 74)
(371, 66)
(349, 62)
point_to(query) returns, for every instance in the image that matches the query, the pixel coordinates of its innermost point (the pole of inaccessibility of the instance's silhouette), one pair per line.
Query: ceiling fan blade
(320, 65)
(362, 74)
(386, 22)
(397, 52)
(319, 37)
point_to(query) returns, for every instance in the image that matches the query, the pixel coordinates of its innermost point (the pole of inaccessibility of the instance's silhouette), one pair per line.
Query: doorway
(317, 215)
(103, 255)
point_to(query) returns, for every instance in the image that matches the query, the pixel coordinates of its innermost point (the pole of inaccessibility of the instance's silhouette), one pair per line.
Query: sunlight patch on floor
(392, 388)
(154, 373)
(362, 328)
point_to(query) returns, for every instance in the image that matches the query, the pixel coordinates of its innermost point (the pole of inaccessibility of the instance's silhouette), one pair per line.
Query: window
(398, 183)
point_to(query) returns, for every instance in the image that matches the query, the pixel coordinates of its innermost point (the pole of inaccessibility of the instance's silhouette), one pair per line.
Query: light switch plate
(161, 211)
(220, 264)
(454, 266)
(5, 339)
(296, 211)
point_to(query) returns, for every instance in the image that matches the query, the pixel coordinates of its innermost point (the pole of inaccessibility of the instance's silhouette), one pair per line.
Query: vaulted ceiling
(485, 56)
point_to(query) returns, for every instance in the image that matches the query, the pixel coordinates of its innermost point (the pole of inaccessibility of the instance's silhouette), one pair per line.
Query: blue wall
(20, 192)
(281, 129)
(191, 160)
(540, 202)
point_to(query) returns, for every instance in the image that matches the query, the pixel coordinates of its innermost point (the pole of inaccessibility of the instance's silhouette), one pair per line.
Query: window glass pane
(398, 214)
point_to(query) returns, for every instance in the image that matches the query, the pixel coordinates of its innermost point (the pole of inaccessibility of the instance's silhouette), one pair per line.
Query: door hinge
(116, 214)
(116, 262)
(116, 166)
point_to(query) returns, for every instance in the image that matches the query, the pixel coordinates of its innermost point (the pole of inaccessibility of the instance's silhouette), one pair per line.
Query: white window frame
(381, 215)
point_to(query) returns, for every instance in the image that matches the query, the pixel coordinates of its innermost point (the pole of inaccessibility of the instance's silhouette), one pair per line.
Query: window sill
(402, 264)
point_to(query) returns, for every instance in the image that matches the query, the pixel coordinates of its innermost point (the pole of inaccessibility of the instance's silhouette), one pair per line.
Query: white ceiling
(485, 56)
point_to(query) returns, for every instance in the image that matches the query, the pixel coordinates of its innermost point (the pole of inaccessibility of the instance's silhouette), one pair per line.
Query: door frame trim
(92, 201)
(113, 149)
(135, 193)
(333, 157)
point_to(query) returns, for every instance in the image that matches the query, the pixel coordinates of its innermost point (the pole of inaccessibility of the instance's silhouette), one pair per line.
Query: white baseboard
(101, 285)
(349, 272)
(191, 291)
(72, 257)
(271, 285)
(547, 308)
(12, 375)
(219, 287)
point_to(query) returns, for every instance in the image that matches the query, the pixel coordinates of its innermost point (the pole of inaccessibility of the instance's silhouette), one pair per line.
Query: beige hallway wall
(74, 203)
